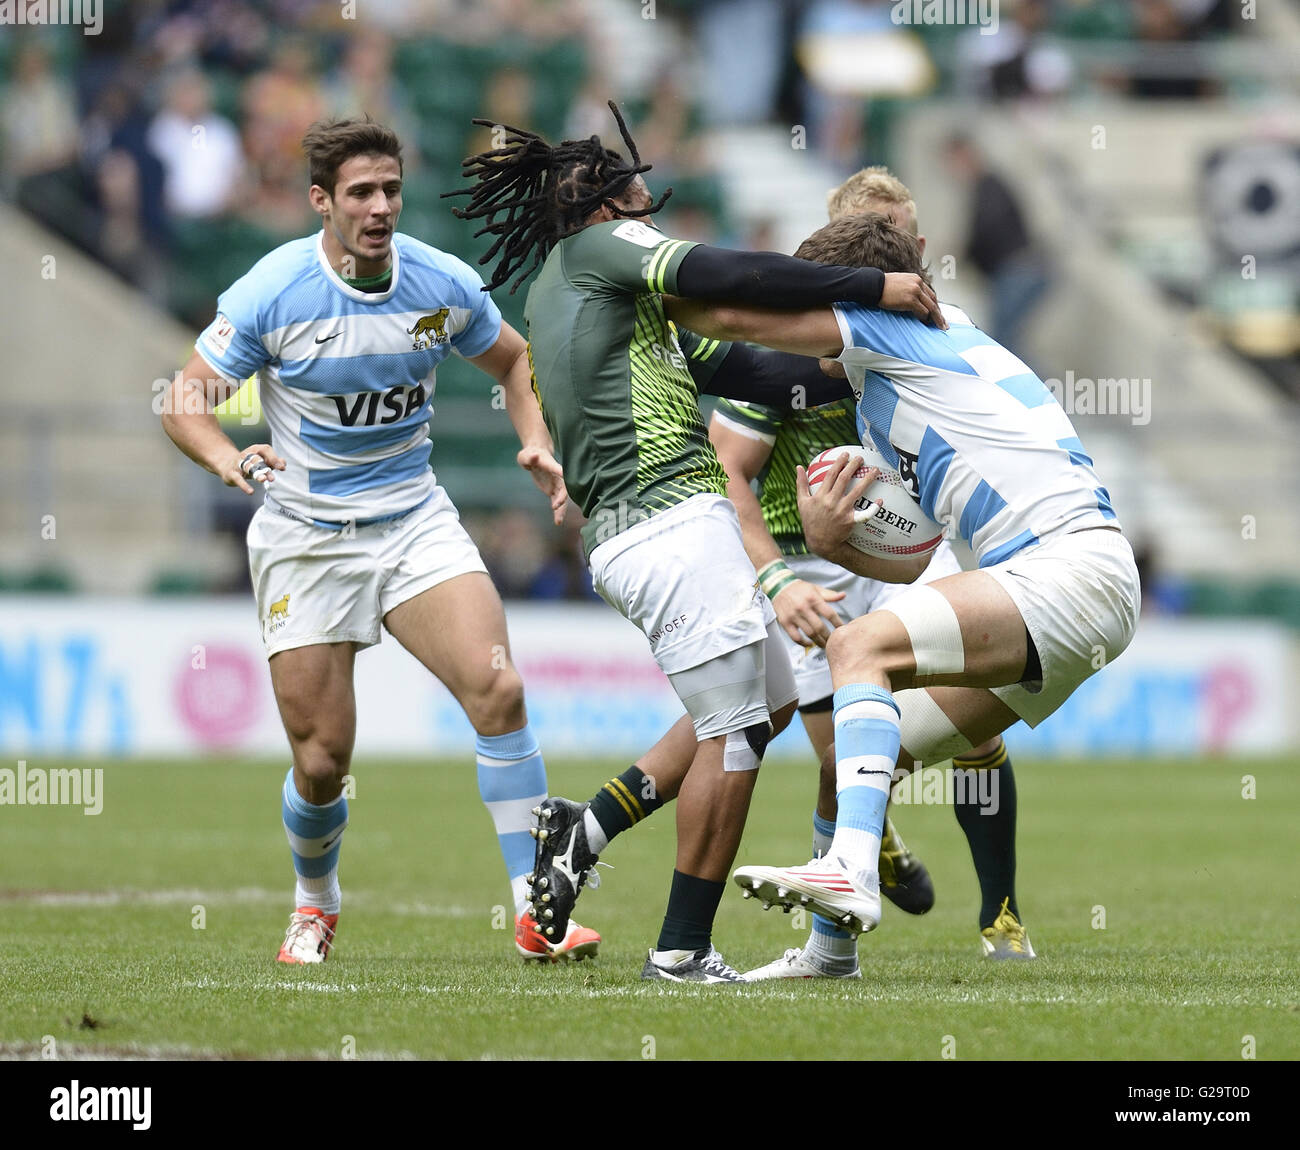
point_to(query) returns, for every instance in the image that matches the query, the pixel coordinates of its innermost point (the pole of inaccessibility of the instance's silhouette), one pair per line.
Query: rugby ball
(900, 529)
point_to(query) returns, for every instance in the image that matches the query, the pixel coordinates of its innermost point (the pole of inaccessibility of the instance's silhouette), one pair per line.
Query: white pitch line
(243, 896)
(860, 997)
(73, 1052)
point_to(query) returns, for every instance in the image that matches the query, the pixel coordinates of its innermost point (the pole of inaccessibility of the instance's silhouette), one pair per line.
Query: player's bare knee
(841, 646)
(826, 768)
(497, 706)
(323, 765)
(867, 650)
(827, 758)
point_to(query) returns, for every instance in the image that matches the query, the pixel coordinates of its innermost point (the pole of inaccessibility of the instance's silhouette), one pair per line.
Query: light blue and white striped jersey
(982, 443)
(347, 376)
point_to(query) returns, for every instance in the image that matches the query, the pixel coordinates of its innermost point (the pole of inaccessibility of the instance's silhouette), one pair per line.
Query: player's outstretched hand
(907, 291)
(828, 513)
(548, 475)
(804, 610)
(256, 464)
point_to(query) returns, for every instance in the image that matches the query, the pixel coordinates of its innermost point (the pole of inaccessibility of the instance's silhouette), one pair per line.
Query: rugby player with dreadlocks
(662, 539)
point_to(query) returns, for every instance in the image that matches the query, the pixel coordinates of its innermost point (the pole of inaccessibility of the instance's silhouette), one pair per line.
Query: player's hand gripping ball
(899, 528)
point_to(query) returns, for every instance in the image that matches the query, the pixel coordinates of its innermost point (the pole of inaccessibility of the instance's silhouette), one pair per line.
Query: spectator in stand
(1020, 59)
(668, 136)
(998, 244)
(234, 36)
(364, 84)
(280, 104)
(203, 162)
(564, 575)
(127, 178)
(1161, 26)
(668, 132)
(39, 145)
(513, 551)
(743, 43)
(1162, 592)
(507, 99)
(589, 112)
(537, 22)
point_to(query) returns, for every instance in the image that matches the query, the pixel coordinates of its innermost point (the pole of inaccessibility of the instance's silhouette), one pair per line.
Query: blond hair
(874, 189)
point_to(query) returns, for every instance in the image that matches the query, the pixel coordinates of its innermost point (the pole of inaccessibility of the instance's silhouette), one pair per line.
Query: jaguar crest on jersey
(430, 330)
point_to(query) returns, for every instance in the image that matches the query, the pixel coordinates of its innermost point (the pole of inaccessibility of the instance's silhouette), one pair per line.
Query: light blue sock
(866, 752)
(511, 781)
(315, 834)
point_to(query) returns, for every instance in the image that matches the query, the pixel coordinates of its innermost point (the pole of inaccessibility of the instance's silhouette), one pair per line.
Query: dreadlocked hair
(532, 195)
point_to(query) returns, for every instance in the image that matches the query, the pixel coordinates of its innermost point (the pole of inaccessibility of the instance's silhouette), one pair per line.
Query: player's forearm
(813, 332)
(860, 563)
(759, 544)
(195, 431)
(772, 378)
(522, 407)
(769, 279)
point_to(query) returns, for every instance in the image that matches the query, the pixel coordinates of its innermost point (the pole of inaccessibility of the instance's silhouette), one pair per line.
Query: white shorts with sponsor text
(683, 578)
(318, 585)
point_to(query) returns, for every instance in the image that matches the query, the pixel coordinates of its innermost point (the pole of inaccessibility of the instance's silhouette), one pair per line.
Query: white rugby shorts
(1079, 596)
(683, 578)
(318, 585)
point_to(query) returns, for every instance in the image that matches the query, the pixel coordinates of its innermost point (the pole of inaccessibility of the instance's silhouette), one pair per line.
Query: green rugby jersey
(794, 434)
(611, 378)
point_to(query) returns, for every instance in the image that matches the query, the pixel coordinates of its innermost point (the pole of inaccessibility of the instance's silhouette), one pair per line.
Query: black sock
(625, 800)
(992, 837)
(692, 904)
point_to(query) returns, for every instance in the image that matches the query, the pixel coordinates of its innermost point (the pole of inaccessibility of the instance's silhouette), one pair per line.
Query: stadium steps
(81, 441)
(767, 180)
(1215, 464)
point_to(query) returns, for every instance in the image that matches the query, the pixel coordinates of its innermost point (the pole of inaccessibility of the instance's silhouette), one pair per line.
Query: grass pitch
(151, 928)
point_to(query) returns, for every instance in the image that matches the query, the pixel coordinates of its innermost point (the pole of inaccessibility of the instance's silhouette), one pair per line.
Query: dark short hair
(329, 144)
(867, 241)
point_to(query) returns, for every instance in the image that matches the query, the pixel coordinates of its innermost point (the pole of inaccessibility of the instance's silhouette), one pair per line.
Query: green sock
(692, 904)
(624, 801)
(992, 836)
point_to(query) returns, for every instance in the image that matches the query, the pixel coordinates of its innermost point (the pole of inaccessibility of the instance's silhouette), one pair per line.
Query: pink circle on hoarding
(219, 699)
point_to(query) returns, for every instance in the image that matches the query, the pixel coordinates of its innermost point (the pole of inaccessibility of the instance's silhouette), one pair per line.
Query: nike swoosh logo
(327, 338)
(872, 771)
(329, 843)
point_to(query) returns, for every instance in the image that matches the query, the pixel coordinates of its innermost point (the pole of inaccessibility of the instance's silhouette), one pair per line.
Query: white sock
(828, 943)
(323, 893)
(597, 840)
(519, 892)
(670, 957)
